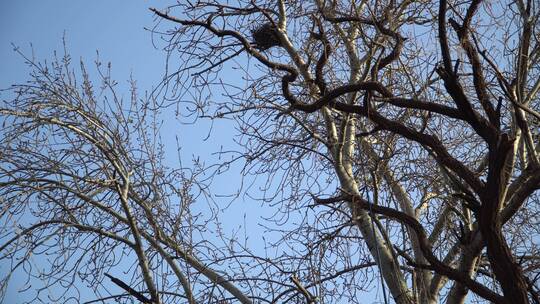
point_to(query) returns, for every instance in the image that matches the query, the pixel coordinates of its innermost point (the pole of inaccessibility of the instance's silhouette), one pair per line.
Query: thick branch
(128, 288)
(411, 222)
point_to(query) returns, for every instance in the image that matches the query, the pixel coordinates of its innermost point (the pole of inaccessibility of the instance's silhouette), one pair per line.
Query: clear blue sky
(117, 29)
(114, 28)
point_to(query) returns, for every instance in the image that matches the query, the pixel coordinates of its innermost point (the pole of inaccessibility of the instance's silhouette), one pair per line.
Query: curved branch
(435, 263)
(429, 141)
(229, 33)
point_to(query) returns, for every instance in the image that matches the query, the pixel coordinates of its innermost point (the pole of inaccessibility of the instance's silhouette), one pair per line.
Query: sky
(117, 29)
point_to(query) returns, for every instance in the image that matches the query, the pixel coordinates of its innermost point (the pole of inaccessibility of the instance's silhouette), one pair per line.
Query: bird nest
(266, 36)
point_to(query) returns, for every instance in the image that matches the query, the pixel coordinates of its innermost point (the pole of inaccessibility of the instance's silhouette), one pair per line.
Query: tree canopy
(397, 142)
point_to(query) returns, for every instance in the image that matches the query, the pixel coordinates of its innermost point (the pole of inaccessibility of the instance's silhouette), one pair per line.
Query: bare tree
(82, 181)
(395, 140)
(422, 113)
